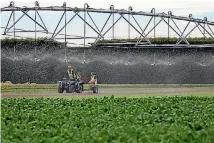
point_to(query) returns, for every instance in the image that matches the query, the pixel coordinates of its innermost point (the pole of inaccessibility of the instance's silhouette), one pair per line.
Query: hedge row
(30, 43)
(41, 42)
(163, 40)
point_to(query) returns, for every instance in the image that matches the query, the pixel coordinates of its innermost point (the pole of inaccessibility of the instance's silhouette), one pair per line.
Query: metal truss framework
(169, 19)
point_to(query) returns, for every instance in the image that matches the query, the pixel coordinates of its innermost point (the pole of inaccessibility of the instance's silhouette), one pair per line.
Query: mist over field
(148, 66)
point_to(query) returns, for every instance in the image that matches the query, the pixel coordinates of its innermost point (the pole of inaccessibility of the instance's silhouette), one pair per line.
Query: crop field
(108, 119)
(118, 113)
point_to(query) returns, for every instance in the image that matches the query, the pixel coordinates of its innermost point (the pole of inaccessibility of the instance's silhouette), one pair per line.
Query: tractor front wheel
(60, 90)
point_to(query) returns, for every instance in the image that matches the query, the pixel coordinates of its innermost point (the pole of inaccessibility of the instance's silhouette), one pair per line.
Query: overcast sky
(178, 6)
(199, 9)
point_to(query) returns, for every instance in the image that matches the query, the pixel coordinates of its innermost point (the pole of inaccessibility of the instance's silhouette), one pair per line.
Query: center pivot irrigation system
(130, 17)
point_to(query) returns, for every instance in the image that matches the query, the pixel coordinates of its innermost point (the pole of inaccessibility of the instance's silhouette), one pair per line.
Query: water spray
(154, 61)
(169, 63)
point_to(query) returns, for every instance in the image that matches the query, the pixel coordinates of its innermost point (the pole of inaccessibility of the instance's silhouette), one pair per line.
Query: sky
(199, 9)
(178, 6)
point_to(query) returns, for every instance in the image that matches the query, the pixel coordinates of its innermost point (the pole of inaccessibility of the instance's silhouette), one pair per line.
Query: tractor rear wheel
(80, 89)
(70, 89)
(95, 89)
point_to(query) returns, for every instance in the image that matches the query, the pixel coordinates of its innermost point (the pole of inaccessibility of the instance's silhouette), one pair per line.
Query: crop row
(168, 119)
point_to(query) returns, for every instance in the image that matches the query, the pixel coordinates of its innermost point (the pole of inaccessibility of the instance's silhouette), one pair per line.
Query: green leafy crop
(168, 119)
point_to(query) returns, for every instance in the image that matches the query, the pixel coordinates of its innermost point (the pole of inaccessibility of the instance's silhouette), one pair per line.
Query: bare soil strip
(111, 92)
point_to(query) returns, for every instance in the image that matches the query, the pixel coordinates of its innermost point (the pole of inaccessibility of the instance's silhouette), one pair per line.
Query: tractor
(75, 86)
(70, 86)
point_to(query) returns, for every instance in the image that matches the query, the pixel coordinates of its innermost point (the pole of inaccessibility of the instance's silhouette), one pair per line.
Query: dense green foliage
(25, 40)
(163, 40)
(22, 42)
(169, 119)
(30, 43)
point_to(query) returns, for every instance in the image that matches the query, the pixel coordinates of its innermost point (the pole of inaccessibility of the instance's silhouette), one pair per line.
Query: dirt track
(113, 92)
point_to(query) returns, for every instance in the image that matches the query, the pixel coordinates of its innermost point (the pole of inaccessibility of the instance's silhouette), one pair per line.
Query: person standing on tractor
(93, 79)
(71, 74)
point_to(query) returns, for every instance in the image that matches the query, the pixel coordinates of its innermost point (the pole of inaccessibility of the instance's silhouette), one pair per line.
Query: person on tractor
(93, 79)
(78, 78)
(71, 73)
(73, 76)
